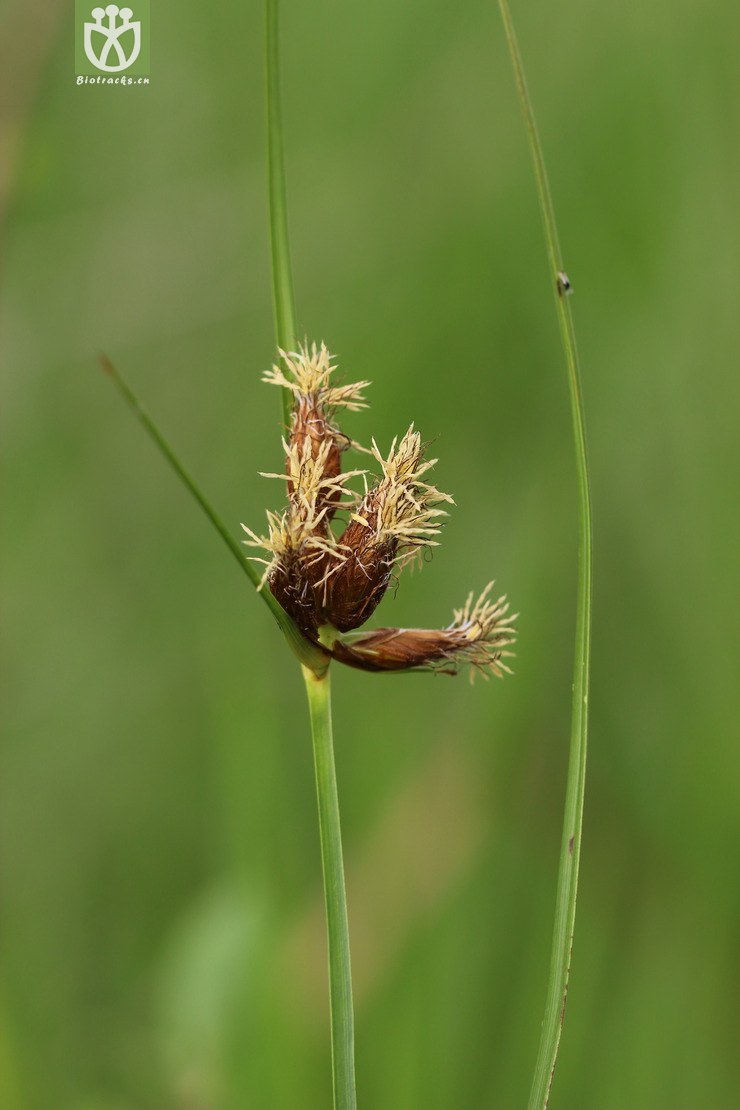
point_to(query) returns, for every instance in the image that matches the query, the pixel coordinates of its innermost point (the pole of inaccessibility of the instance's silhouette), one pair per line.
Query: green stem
(317, 684)
(337, 928)
(570, 851)
(282, 281)
(309, 655)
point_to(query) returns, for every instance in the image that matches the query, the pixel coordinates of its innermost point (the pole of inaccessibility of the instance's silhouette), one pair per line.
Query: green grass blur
(162, 932)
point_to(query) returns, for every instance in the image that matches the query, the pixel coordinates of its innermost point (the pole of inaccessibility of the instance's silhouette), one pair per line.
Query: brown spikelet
(393, 522)
(307, 374)
(478, 636)
(299, 540)
(355, 585)
(311, 427)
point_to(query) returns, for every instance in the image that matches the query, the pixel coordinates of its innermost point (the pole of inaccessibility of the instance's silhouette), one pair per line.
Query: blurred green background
(162, 939)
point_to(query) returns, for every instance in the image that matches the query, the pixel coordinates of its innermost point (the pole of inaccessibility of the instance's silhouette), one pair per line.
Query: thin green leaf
(308, 654)
(282, 281)
(570, 852)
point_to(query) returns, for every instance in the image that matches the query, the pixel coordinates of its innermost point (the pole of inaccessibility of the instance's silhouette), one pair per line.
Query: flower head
(331, 584)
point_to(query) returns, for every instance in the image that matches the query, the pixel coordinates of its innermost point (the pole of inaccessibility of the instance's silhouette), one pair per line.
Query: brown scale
(401, 649)
(353, 591)
(292, 587)
(311, 422)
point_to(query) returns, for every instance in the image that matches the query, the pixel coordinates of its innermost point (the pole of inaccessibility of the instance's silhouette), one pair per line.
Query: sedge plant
(331, 551)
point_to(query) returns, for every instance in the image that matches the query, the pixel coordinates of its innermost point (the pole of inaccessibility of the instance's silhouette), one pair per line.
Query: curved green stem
(282, 281)
(570, 850)
(337, 927)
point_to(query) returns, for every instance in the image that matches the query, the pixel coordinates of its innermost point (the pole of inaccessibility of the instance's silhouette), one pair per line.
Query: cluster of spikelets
(332, 583)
